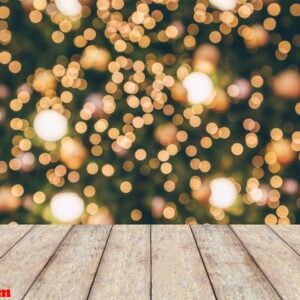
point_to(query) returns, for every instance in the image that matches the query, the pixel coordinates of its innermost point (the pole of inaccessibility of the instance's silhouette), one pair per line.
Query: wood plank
(290, 234)
(20, 266)
(124, 272)
(275, 258)
(177, 269)
(233, 273)
(71, 270)
(10, 235)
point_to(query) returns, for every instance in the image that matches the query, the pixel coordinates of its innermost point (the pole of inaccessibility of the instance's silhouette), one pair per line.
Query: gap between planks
(205, 267)
(255, 262)
(47, 263)
(283, 239)
(233, 273)
(275, 258)
(16, 241)
(98, 266)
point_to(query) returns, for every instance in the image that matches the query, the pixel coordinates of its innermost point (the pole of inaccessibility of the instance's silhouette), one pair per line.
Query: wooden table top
(150, 262)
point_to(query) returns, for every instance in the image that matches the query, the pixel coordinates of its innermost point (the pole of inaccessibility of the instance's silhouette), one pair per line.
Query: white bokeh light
(223, 193)
(199, 87)
(50, 125)
(66, 207)
(224, 4)
(259, 195)
(69, 8)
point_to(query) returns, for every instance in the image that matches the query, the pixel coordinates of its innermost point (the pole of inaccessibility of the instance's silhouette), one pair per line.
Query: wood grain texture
(274, 257)
(22, 264)
(71, 270)
(177, 269)
(10, 235)
(157, 262)
(233, 273)
(290, 234)
(124, 272)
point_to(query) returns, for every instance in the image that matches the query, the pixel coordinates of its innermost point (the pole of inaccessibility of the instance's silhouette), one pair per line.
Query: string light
(199, 87)
(50, 125)
(69, 8)
(224, 5)
(223, 193)
(66, 207)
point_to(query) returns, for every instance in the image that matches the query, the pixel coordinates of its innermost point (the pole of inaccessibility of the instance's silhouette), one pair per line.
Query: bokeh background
(150, 111)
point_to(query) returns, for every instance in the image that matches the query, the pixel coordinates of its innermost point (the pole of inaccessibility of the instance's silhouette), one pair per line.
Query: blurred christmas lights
(144, 112)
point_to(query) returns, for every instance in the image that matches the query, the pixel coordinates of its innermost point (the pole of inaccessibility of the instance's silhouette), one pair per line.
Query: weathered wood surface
(124, 271)
(73, 267)
(177, 269)
(290, 234)
(10, 235)
(24, 262)
(150, 262)
(233, 273)
(279, 263)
